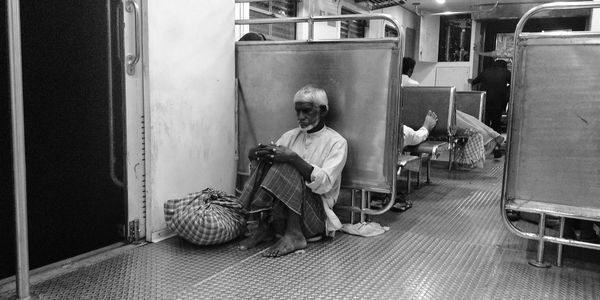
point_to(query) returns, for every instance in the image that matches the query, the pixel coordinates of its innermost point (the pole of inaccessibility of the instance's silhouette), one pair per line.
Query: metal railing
(311, 20)
(540, 236)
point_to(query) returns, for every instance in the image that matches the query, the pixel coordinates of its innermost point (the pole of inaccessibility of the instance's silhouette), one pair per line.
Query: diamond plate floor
(450, 245)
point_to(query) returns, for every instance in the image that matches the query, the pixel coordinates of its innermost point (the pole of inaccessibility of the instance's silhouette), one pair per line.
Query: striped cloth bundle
(206, 218)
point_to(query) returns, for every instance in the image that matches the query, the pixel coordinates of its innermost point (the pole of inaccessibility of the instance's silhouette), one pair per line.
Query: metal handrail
(132, 7)
(111, 120)
(503, 203)
(312, 19)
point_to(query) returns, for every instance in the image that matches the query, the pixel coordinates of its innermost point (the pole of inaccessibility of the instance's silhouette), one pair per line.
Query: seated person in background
(253, 36)
(481, 139)
(408, 66)
(297, 179)
(412, 138)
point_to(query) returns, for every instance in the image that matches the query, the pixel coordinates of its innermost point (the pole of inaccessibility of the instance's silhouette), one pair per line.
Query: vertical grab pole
(18, 133)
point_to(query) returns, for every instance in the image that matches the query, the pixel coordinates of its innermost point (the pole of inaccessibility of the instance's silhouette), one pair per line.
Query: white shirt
(407, 81)
(412, 137)
(326, 150)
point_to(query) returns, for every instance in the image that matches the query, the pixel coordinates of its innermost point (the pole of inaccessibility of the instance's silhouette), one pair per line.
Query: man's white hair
(313, 94)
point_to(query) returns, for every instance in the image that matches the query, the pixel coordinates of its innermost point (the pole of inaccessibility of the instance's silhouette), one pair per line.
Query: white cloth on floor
(365, 229)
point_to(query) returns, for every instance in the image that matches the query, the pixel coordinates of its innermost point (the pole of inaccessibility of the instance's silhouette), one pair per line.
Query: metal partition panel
(417, 100)
(361, 83)
(471, 102)
(554, 146)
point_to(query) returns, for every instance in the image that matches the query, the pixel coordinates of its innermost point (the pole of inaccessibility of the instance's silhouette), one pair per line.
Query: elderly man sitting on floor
(297, 179)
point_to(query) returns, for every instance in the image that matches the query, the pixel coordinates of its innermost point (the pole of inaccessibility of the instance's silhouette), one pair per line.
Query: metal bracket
(134, 231)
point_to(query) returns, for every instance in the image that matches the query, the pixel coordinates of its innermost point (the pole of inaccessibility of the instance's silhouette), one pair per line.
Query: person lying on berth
(481, 139)
(297, 179)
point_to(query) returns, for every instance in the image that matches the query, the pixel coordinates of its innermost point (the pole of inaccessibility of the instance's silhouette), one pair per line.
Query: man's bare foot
(262, 234)
(430, 120)
(285, 245)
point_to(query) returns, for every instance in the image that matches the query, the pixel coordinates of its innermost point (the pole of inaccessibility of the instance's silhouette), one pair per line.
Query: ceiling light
(440, 1)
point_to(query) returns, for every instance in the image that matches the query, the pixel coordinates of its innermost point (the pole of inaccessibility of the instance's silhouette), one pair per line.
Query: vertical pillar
(18, 141)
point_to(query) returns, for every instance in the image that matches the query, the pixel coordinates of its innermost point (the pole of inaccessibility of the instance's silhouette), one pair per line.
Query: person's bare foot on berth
(285, 245)
(262, 234)
(430, 120)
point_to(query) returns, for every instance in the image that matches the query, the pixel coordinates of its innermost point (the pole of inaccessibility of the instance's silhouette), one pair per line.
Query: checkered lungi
(472, 153)
(272, 185)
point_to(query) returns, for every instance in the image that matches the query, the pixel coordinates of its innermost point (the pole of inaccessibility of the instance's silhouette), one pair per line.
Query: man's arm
(412, 137)
(325, 176)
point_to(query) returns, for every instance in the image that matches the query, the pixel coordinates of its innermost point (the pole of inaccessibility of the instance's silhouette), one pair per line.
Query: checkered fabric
(284, 182)
(206, 218)
(472, 153)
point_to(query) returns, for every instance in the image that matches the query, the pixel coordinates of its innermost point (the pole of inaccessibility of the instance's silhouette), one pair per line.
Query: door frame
(135, 118)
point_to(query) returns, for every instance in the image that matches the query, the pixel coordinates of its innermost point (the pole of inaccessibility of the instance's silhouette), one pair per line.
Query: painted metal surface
(553, 137)
(554, 129)
(471, 102)
(417, 100)
(361, 83)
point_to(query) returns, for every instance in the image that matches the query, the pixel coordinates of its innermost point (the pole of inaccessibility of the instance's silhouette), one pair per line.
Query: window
(352, 28)
(390, 31)
(455, 38)
(274, 9)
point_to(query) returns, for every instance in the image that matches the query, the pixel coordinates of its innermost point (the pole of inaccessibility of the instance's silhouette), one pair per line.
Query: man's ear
(323, 110)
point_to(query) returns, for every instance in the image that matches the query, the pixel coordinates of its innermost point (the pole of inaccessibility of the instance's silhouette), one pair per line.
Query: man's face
(308, 115)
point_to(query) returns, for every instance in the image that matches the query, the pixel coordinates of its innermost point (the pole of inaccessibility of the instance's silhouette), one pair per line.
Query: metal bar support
(429, 171)
(18, 141)
(352, 204)
(539, 262)
(561, 234)
(363, 204)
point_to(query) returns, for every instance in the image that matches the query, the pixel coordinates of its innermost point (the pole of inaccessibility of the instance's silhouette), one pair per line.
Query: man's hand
(281, 154)
(430, 121)
(273, 153)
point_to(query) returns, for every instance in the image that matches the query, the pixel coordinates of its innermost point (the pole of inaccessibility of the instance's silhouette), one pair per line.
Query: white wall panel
(190, 102)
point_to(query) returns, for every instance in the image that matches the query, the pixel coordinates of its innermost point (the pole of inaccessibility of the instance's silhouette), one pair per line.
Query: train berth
(450, 245)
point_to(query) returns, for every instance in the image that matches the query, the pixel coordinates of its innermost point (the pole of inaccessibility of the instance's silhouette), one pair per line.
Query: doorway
(73, 94)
